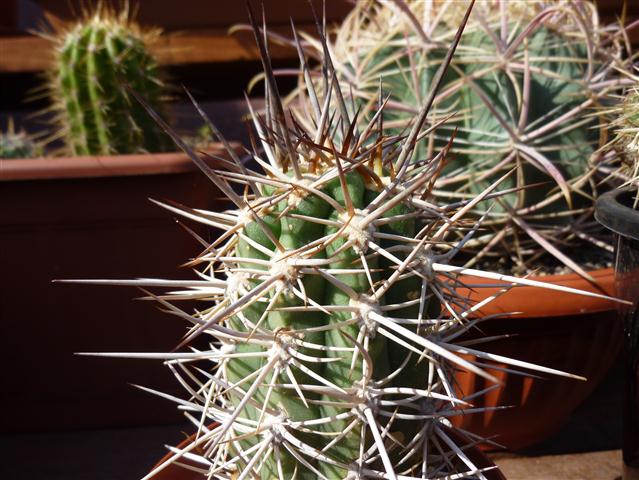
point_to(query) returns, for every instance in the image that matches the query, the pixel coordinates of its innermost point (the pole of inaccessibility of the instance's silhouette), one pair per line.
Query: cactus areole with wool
(98, 62)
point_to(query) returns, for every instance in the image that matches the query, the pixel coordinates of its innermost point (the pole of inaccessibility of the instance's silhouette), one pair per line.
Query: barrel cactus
(521, 93)
(98, 62)
(17, 143)
(328, 303)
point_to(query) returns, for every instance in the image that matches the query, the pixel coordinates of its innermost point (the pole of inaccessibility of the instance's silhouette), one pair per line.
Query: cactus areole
(98, 62)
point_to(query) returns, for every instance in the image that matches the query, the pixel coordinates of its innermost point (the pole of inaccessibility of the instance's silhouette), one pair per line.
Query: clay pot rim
(61, 168)
(535, 302)
(601, 274)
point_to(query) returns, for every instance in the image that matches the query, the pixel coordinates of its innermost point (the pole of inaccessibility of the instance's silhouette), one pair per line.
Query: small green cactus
(17, 144)
(521, 94)
(98, 62)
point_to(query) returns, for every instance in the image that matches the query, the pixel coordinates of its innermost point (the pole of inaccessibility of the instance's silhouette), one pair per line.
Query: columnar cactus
(17, 144)
(330, 307)
(520, 92)
(98, 62)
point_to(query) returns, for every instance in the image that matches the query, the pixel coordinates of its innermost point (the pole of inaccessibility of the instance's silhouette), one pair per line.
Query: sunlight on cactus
(521, 92)
(97, 60)
(327, 302)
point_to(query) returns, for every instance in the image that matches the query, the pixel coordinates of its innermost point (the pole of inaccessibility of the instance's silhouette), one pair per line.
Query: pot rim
(61, 168)
(533, 302)
(612, 213)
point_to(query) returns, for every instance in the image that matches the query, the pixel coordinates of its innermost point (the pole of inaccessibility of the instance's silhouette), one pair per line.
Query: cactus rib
(98, 61)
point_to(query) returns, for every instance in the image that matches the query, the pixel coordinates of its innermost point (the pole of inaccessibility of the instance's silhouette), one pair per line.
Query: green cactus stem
(98, 62)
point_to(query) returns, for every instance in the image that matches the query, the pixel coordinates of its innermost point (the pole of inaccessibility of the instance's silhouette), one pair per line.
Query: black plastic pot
(614, 211)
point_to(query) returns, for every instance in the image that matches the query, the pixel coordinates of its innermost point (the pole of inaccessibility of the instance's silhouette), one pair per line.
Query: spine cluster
(625, 142)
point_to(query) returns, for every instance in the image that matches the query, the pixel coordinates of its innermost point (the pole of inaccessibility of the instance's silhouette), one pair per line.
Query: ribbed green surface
(557, 86)
(95, 65)
(293, 233)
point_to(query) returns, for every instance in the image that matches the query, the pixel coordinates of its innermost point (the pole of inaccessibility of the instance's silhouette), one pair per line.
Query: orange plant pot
(572, 333)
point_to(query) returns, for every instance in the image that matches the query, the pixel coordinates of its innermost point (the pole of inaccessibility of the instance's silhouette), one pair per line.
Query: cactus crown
(17, 144)
(97, 62)
(520, 93)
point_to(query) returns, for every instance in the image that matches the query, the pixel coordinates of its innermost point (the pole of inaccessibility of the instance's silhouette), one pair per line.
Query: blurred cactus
(202, 138)
(97, 62)
(521, 93)
(17, 144)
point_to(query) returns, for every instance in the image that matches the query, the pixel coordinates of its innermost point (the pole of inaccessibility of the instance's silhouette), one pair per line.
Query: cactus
(17, 144)
(624, 122)
(98, 61)
(330, 308)
(521, 93)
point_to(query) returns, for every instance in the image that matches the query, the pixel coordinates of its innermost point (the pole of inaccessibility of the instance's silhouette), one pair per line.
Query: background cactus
(97, 62)
(521, 93)
(623, 149)
(331, 310)
(17, 144)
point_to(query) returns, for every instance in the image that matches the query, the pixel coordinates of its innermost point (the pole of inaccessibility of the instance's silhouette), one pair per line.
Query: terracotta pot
(572, 333)
(479, 459)
(89, 217)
